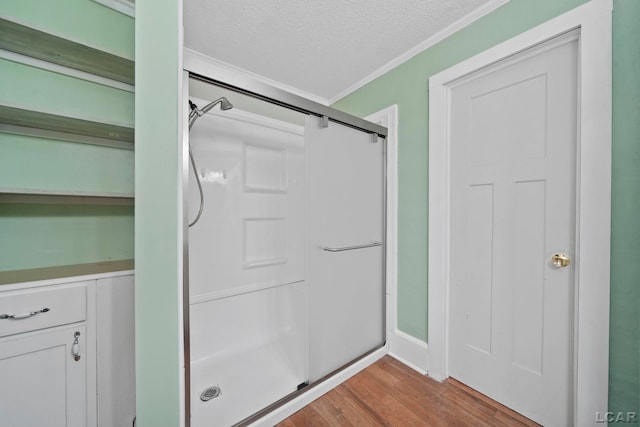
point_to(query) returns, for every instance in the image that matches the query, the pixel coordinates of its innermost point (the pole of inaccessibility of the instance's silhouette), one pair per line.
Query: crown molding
(431, 41)
(194, 60)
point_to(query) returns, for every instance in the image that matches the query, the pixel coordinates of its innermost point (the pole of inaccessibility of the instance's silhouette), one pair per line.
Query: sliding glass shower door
(345, 251)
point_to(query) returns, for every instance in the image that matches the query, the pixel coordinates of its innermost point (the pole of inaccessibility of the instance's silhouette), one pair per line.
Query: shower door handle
(351, 248)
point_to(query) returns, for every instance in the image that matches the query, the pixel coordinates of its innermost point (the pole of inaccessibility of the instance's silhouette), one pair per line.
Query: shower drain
(210, 393)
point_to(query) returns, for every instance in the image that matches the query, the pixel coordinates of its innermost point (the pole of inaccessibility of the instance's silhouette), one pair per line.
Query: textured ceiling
(319, 47)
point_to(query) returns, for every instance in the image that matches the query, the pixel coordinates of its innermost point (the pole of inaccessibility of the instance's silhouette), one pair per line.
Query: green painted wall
(33, 88)
(624, 371)
(407, 86)
(41, 163)
(158, 223)
(42, 235)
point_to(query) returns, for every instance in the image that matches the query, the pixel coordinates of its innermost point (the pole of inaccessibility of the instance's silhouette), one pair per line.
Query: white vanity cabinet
(67, 353)
(42, 384)
(43, 356)
(116, 387)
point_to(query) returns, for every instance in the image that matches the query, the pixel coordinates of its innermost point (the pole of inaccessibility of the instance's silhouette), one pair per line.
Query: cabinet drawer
(65, 304)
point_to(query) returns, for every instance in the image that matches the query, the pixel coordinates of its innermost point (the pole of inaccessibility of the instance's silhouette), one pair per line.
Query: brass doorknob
(560, 260)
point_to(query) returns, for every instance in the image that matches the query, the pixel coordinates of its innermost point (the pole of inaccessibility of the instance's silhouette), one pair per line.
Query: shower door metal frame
(184, 187)
(259, 90)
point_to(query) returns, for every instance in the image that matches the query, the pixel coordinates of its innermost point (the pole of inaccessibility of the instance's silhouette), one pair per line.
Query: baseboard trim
(410, 351)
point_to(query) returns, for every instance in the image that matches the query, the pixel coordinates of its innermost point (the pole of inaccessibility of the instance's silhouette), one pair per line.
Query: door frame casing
(593, 199)
(409, 350)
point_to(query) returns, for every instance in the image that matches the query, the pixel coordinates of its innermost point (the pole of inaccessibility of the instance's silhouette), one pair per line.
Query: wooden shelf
(33, 274)
(16, 116)
(21, 40)
(63, 136)
(38, 44)
(26, 196)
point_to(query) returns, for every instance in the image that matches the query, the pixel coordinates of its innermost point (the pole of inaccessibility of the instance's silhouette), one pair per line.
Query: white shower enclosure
(286, 265)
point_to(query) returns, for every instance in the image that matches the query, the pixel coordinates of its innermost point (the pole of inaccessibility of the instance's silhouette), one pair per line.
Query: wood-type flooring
(388, 393)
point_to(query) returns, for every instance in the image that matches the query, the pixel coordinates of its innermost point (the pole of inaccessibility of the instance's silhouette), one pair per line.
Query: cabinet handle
(75, 348)
(23, 315)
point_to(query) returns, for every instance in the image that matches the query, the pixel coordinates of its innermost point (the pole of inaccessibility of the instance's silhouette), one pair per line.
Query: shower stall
(284, 248)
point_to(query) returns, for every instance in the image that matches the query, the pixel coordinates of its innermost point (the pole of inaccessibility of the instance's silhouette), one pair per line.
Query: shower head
(224, 105)
(197, 112)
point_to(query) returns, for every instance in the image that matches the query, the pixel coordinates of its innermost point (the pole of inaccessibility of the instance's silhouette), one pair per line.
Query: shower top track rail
(257, 89)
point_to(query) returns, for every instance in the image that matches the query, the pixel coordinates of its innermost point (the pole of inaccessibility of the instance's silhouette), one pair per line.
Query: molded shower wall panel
(248, 312)
(253, 346)
(55, 231)
(251, 233)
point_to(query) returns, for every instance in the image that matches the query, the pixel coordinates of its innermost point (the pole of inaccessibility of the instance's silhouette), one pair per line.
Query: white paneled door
(513, 195)
(345, 202)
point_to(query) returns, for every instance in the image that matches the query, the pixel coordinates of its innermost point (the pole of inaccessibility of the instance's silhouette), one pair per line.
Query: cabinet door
(42, 384)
